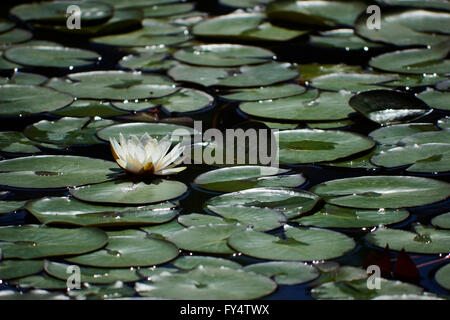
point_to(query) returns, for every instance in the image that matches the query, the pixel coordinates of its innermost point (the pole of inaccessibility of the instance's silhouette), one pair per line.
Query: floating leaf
(393, 134)
(16, 142)
(264, 93)
(436, 99)
(192, 262)
(10, 269)
(353, 82)
(285, 272)
(442, 221)
(442, 276)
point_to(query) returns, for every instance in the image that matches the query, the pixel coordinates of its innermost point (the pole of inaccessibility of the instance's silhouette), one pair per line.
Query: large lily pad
(24, 78)
(207, 238)
(374, 192)
(92, 275)
(264, 93)
(40, 282)
(114, 85)
(429, 157)
(313, 145)
(14, 36)
(342, 39)
(35, 241)
(16, 142)
(353, 82)
(389, 106)
(10, 206)
(192, 262)
(128, 192)
(442, 221)
(290, 202)
(441, 136)
(55, 57)
(442, 276)
(309, 106)
(391, 135)
(10, 269)
(297, 244)
(436, 99)
(66, 210)
(339, 217)
(423, 240)
(17, 100)
(245, 177)
(285, 272)
(89, 108)
(129, 250)
(206, 283)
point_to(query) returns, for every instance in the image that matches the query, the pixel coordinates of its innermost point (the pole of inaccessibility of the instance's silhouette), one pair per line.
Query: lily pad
(297, 244)
(358, 290)
(342, 39)
(35, 241)
(17, 100)
(427, 240)
(159, 11)
(66, 210)
(208, 283)
(10, 269)
(55, 171)
(374, 192)
(309, 106)
(245, 177)
(245, 76)
(39, 282)
(389, 106)
(290, 202)
(14, 36)
(148, 62)
(32, 295)
(163, 230)
(114, 85)
(89, 108)
(313, 145)
(92, 275)
(285, 272)
(442, 221)
(444, 123)
(353, 82)
(51, 57)
(442, 276)
(429, 157)
(436, 99)
(436, 4)
(264, 93)
(24, 78)
(207, 238)
(441, 136)
(391, 135)
(128, 192)
(11, 206)
(223, 55)
(200, 219)
(339, 217)
(6, 25)
(113, 291)
(125, 250)
(16, 142)
(360, 162)
(192, 262)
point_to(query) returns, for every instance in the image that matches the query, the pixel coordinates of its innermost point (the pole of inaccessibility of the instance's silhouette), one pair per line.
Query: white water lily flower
(146, 156)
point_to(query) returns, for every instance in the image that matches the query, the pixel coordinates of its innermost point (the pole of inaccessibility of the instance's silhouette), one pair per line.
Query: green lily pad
(360, 162)
(415, 80)
(32, 295)
(436, 99)
(125, 4)
(163, 230)
(245, 177)
(54, 57)
(14, 36)
(264, 93)
(314, 70)
(316, 13)
(353, 82)
(309, 106)
(92, 275)
(285, 272)
(89, 108)
(182, 101)
(113, 291)
(313, 145)
(55, 171)
(244, 26)
(159, 11)
(358, 290)
(389, 106)
(223, 55)
(10, 269)
(442, 276)
(207, 238)
(39, 282)
(243, 3)
(424, 239)
(66, 131)
(148, 62)
(6, 25)
(114, 85)
(126, 250)
(156, 130)
(436, 4)
(16, 142)
(444, 123)
(192, 262)
(290, 202)
(337, 124)
(338, 217)
(414, 61)
(245, 76)
(442, 136)
(55, 12)
(299, 244)
(24, 78)
(342, 39)
(201, 219)
(208, 283)
(11, 206)
(392, 135)
(150, 272)
(128, 192)
(405, 27)
(442, 221)
(18, 100)
(374, 192)
(66, 210)
(35, 241)
(429, 157)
